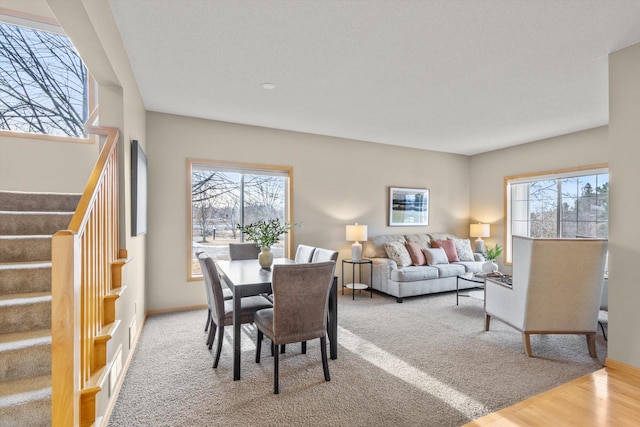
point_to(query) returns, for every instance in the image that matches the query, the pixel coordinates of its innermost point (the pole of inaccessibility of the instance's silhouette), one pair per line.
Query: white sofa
(413, 280)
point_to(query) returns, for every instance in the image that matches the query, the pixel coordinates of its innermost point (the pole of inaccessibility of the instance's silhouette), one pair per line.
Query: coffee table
(469, 277)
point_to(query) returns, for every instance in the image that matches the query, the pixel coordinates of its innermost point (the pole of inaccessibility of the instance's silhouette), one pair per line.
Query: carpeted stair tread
(27, 387)
(25, 248)
(23, 339)
(36, 201)
(24, 277)
(29, 223)
(24, 312)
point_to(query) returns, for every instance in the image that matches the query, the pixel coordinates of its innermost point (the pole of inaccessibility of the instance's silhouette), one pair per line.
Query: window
(566, 204)
(44, 84)
(224, 195)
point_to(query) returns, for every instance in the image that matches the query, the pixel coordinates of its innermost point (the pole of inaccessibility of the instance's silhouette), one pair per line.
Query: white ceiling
(459, 76)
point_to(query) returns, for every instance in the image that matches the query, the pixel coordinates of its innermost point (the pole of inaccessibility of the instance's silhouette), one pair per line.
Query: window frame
(50, 25)
(553, 174)
(240, 168)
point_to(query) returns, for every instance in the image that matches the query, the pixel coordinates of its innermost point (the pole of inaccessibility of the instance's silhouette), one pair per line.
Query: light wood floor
(608, 397)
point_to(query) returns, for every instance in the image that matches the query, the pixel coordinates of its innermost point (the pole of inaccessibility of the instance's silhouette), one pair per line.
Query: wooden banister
(83, 318)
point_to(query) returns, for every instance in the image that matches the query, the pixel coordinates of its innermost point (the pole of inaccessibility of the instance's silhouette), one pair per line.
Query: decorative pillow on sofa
(398, 252)
(435, 256)
(449, 248)
(463, 249)
(416, 254)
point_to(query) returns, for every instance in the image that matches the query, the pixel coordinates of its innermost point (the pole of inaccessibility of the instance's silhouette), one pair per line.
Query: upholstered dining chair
(322, 255)
(304, 254)
(227, 294)
(243, 250)
(299, 311)
(221, 309)
(556, 289)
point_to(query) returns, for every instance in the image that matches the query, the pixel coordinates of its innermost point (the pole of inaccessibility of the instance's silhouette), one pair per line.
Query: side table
(355, 285)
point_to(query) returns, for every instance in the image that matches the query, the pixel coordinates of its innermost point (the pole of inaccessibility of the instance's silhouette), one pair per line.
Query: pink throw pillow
(416, 254)
(449, 247)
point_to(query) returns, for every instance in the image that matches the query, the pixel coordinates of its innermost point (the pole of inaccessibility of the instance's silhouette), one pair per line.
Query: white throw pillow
(463, 248)
(435, 256)
(398, 252)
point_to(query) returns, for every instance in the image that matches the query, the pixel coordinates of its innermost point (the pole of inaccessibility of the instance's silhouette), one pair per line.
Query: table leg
(371, 279)
(333, 319)
(457, 289)
(236, 334)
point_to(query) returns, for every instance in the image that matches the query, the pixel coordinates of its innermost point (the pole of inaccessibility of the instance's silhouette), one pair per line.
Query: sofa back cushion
(449, 248)
(435, 256)
(398, 252)
(421, 239)
(416, 254)
(374, 248)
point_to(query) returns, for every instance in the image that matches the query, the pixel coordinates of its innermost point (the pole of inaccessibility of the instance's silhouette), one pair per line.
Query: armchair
(557, 287)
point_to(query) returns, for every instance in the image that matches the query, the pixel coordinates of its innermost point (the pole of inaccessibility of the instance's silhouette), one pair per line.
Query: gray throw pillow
(463, 248)
(435, 256)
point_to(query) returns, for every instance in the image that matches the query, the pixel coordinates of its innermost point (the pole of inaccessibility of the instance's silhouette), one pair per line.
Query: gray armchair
(557, 288)
(299, 310)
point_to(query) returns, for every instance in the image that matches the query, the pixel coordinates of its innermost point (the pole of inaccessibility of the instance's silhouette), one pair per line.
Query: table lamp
(479, 230)
(356, 233)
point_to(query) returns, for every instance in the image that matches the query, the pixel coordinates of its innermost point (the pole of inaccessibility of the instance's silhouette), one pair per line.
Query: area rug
(425, 362)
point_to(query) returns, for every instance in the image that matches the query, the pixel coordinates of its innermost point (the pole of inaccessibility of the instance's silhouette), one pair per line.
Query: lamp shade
(479, 230)
(356, 233)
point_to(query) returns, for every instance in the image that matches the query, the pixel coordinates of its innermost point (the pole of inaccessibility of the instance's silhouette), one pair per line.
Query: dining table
(245, 278)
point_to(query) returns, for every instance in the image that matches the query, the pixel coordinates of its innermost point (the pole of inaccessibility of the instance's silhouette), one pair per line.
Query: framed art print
(408, 206)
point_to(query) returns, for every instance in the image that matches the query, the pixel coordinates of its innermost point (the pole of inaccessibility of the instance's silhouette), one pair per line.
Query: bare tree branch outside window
(43, 83)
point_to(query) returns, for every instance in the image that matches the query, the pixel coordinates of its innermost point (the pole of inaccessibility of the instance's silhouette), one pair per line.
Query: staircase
(27, 222)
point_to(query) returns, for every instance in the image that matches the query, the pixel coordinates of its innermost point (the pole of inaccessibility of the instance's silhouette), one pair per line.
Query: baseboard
(123, 374)
(625, 368)
(175, 309)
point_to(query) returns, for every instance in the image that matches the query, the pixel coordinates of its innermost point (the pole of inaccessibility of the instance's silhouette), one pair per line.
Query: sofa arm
(477, 256)
(382, 268)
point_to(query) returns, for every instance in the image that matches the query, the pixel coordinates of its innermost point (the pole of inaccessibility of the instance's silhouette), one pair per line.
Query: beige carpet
(424, 362)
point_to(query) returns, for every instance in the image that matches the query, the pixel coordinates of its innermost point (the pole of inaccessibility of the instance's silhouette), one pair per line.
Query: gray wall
(335, 181)
(624, 235)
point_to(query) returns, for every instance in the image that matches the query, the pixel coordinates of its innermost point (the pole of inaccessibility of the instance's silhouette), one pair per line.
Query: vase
(265, 257)
(489, 266)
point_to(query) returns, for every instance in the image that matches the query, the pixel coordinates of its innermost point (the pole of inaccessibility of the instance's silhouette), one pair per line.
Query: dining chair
(226, 292)
(243, 251)
(304, 254)
(299, 311)
(221, 309)
(322, 255)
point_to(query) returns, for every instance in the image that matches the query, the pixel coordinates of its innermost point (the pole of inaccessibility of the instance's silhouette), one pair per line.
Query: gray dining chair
(243, 251)
(322, 255)
(227, 294)
(304, 254)
(222, 310)
(299, 311)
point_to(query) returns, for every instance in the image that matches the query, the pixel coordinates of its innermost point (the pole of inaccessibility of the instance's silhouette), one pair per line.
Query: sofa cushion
(471, 266)
(412, 273)
(420, 238)
(449, 248)
(416, 254)
(441, 236)
(435, 256)
(374, 248)
(398, 252)
(448, 270)
(463, 249)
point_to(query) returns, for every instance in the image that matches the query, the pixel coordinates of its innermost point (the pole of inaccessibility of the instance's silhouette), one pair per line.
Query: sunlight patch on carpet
(397, 367)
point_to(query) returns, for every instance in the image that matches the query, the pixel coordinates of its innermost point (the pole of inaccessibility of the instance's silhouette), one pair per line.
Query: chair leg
(325, 364)
(276, 363)
(602, 328)
(273, 346)
(219, 348)
(259, 345)
(206, 326)
(212, 334)
(487, 321)
(591, 344)
(303, 346)
(282, 349)
(527, 343)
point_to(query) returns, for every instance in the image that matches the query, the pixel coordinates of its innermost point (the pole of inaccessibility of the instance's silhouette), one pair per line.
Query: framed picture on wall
(408, 206)
(138, 189)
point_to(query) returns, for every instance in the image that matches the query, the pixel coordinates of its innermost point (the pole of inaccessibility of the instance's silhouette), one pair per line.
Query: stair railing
(82, 259)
